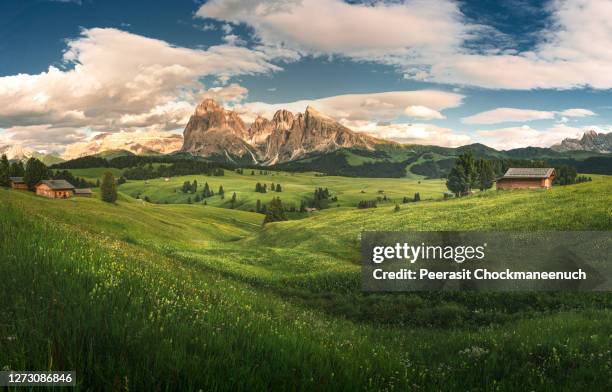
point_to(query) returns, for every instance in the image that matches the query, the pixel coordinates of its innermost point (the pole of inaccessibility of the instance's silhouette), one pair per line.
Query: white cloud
(577, 113)
(357, 30)
(429, 40)
(423, 112)
(523, 136)
(373, 107)
(415, 134)
(116, 78)
(500, 115)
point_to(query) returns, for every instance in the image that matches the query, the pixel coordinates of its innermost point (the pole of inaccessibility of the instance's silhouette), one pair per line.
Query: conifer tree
(5, 169)
(17, 169)
(278, 188)
(275, 212)
(258, 206)
(108, 188)
(417, 197)
(35, 171)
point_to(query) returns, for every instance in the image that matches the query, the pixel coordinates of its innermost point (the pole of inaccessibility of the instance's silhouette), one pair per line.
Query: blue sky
(506, 73)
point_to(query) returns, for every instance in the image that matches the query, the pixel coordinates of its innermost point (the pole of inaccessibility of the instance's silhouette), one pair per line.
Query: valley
(210, 288)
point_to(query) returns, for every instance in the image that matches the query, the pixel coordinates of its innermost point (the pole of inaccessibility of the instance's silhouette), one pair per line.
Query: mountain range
(291, 139)
(215, 131)
(590, 141)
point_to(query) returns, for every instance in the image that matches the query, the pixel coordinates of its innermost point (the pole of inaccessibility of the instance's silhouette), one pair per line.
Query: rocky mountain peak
(590, 141)
(213, 130)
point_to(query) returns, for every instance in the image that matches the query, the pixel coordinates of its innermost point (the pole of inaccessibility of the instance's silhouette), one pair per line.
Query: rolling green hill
(142, 296)
(295, 188)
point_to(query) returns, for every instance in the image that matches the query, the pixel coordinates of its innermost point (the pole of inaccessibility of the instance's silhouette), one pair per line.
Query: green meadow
(177, 296)
(295, 188)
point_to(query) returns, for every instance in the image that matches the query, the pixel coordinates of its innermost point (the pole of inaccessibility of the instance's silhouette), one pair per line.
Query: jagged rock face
(591, 141)
(286, 137)
(212, 130)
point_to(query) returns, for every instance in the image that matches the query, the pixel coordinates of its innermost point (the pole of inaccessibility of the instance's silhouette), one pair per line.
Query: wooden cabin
(527, 178)
(18, 183)
(83, 192)
(55, 189)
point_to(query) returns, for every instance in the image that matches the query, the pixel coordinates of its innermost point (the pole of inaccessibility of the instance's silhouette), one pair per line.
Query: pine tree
(486, 176)
(17, 169)
(397, 208)
(258, 206)
(276, 211)
(302, 206)
(5, 169)
(197, 198)
(464, 175)
(35, 171)
(194, 186)
(189, 200)
(417, 197)
(233, 201)
(206, 191)
(108, 188)
(278, 188)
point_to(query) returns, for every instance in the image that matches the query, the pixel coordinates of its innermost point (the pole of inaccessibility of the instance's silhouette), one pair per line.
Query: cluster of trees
(366, 204)
(263, 188)
(78, 182)
(181, 168)
(190, 187)
(275, 212)
(415, 198)
(35, 171)
(566, 175)
(469, 173)
(581, 179)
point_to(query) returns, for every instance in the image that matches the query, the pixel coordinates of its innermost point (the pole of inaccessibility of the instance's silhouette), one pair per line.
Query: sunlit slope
(295, 188)
(134, 221)
(129, 315)
(586, 206)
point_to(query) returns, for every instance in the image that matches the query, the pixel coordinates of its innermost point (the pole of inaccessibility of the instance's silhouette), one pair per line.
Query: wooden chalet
(83, 192)
(55, 189)
(18, 183)
(527, 178)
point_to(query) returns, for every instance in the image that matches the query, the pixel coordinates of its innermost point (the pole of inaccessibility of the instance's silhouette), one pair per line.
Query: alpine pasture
(138, 295)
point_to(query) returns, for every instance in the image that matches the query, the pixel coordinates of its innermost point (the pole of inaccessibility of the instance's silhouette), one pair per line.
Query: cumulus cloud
(114, 79)
(430, 40)
(423, 112)
(362, 31)
(353, 108)
(523, 136)
(501, 115)
(577, 113)
(415, 134)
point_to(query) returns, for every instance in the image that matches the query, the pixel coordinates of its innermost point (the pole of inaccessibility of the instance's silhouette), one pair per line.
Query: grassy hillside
(143, 296)
(296, 187)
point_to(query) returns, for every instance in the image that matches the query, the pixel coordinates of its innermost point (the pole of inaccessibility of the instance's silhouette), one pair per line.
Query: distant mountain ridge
(134, 142)
(590, 141)
(215, 131)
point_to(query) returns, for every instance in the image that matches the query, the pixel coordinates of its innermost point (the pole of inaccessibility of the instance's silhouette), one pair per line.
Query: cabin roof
(529, 172)
(83, 191)
(16, 179)
(56, 185)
